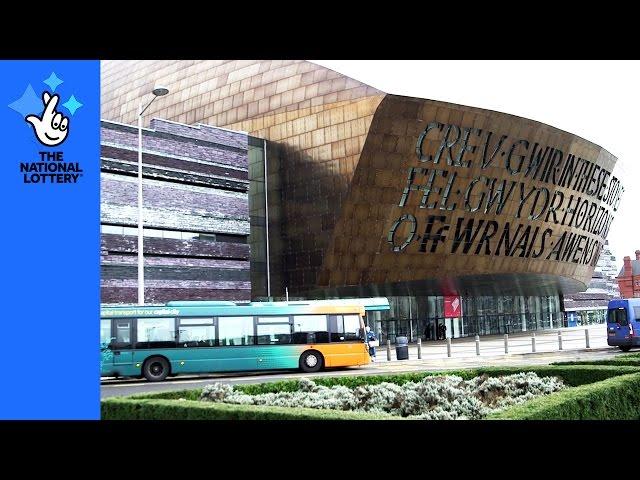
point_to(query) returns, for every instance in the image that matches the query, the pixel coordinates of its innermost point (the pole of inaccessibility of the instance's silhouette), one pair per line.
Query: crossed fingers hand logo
(52, 128)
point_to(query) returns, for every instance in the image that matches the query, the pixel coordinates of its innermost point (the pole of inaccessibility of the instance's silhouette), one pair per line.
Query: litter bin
(402, 348)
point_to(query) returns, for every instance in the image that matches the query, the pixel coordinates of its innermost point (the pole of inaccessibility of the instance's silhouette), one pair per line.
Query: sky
(597, 100)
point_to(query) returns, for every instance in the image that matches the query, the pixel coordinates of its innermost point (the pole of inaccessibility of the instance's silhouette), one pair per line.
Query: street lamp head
(160, 91)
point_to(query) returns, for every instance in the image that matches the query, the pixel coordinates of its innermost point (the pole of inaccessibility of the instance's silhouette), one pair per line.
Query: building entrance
(453, 327)
(424, 317)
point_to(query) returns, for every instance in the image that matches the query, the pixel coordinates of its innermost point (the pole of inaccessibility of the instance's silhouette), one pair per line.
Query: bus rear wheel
(155, 369)
(625, 349)
(311, 361)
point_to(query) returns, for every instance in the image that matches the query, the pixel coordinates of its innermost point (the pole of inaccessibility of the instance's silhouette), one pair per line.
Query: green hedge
(293, 385)
(571, 375)
(349, 381)
(160, 409)
(621, 361)
(192, 394)
(630, 355)
(612, 399)
(184, 404)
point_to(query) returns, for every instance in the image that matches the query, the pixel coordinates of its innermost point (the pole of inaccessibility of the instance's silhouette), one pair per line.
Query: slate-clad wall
(195, 179)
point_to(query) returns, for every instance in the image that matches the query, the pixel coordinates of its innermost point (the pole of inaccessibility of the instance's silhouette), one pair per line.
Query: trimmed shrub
(572, 375)
(614, 361)
(160, 409)
(434, 397)
(183, 405)
(193, 394)
(348, 381)
(612, 399)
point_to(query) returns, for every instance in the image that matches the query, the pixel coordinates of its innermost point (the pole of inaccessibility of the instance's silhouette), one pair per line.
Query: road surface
(434, 358)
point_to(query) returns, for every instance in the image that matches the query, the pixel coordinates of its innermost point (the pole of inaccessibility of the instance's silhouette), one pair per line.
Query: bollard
(586, 337)
(448, 346)
(477, 344)
(388, 350)
(419, 348)
(533, 342)
(559, 340)
(506, 343)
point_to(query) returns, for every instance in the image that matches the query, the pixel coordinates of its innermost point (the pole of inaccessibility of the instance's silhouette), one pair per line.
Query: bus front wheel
(625, 349)
(311, 361)
(155, 369)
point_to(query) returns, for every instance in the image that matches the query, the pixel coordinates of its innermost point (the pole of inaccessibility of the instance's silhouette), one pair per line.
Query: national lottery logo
(46, 120)
(52, 128)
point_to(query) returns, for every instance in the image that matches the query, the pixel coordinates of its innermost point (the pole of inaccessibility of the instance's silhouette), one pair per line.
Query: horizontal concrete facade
(196, 213)
(378, 194)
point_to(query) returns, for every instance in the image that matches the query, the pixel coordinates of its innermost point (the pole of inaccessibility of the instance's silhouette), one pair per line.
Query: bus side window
(123, 335)
(234, 331)
(321, 337)
(310, 329)
(344, 327)
(273, 330)
(299, 338)
(302, 338)
(105, 333)
(336, 328)
(196, 335)
(352, 327)
(156, 333)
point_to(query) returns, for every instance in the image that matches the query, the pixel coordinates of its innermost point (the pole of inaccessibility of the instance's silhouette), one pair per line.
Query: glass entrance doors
(453, 327)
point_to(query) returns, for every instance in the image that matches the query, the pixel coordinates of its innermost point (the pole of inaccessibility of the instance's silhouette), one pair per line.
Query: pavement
(434, 358)
(573, 338)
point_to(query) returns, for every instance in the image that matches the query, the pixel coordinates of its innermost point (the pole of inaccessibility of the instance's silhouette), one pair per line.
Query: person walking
(442, 331)
(371, 338)
(427, 332)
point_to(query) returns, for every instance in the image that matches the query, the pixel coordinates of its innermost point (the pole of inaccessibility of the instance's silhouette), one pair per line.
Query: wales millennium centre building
(262, 177)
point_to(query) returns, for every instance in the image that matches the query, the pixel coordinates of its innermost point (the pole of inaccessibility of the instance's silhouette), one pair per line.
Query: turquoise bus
(623, 323)
(221, 336)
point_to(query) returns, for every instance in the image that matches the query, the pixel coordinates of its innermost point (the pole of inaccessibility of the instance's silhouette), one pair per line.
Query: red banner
(452, 307)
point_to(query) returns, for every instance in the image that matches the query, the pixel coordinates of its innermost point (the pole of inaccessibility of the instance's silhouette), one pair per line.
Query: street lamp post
(157, 92)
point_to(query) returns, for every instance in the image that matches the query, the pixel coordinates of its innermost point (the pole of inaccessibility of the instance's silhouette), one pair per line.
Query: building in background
(629, 277)
(590, 306)
(196, 211)
(373, 194)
